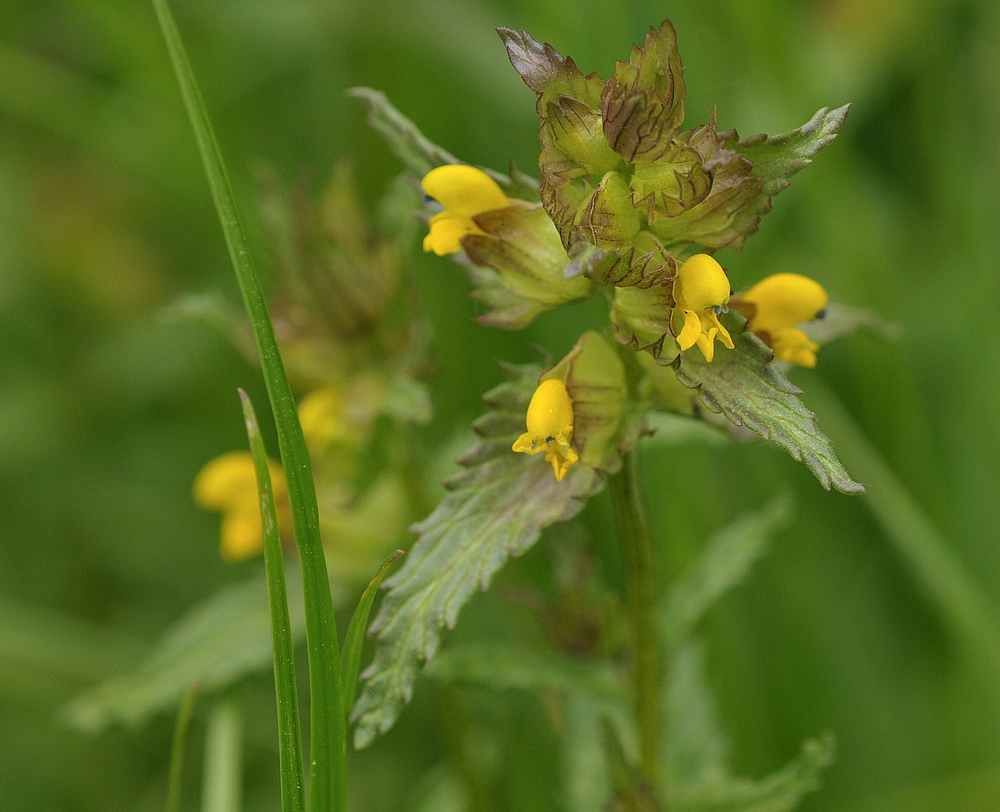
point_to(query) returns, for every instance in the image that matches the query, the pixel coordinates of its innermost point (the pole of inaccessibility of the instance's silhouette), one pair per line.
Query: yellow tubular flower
(464, 191)
(550, 426)
(228, 485)
(701, 292)
(779, 303)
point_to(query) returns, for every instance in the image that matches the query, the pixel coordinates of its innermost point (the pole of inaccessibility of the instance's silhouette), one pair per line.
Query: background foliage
(109, 406)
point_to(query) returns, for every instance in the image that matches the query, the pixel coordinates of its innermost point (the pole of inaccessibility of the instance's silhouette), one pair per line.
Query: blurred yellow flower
(778, 304)
(701, 292)
(550, 426)
(464, 191)
(321, 415)
(228, 485)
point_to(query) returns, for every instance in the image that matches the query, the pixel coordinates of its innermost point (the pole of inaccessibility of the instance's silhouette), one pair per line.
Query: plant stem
(632, 524)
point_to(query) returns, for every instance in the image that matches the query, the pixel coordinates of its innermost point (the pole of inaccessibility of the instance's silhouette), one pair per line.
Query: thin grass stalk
(286, 693)
(328, 753)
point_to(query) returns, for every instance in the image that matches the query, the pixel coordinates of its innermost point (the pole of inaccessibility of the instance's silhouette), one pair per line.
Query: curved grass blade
(328, 753)
(350, 656)
(177, 749)
(289, 731)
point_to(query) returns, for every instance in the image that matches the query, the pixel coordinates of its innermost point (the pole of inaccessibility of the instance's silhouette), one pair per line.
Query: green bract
(522, 248)
(612, 151)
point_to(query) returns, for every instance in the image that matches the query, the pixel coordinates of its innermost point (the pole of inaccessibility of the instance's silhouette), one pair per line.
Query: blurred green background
(866, 619)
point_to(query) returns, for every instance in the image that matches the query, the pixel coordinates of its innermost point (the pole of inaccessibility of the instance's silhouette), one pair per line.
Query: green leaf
(779, 792)
(744, 386)
(728, 214)
(286, 693)
(328, 755)
(418, 153)
(725, 562)
(642, 105)
(586, 784)
(496, 509)
(841, 320)
(350, 660)
(700, 776)
(404, 139)
(216, 643)
(697, 755)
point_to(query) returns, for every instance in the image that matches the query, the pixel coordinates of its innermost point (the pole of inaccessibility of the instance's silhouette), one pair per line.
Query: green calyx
(520, 265)
(595, 379)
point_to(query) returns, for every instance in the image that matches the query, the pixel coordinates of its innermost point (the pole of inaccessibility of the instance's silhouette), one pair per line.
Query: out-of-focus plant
(631, 208)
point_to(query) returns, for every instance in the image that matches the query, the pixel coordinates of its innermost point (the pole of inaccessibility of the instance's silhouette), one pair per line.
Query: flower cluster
(637, 205)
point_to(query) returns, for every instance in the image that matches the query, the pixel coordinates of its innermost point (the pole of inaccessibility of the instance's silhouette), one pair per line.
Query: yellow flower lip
(550, 427)
(784, 300)
(779, 303)
(228, 485)
(464, 191)
(701, 293)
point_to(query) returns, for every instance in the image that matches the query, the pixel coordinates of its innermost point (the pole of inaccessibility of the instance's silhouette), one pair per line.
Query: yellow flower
(321, 415)
(550, 426)
(701, 292)
(228, 484)
(464, 191)
(780, 302)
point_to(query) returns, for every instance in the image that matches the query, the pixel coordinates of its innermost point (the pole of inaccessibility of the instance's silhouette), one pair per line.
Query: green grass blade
(328, 752)
(222, 782)
(177, 750)
(350, 657)
(289, 732)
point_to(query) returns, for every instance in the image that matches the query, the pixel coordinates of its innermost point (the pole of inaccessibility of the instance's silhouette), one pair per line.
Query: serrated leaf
(725, 562)
(700, 777)
(748, 390)
(779, 792)
(418, 153)
(698, 751)
(549, 73)
(505, 309)
(496, 510)
(214, 644)
(586, 784)
(776, 158)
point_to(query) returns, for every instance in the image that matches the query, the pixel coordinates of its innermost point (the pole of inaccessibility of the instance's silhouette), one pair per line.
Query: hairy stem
(632, 524)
